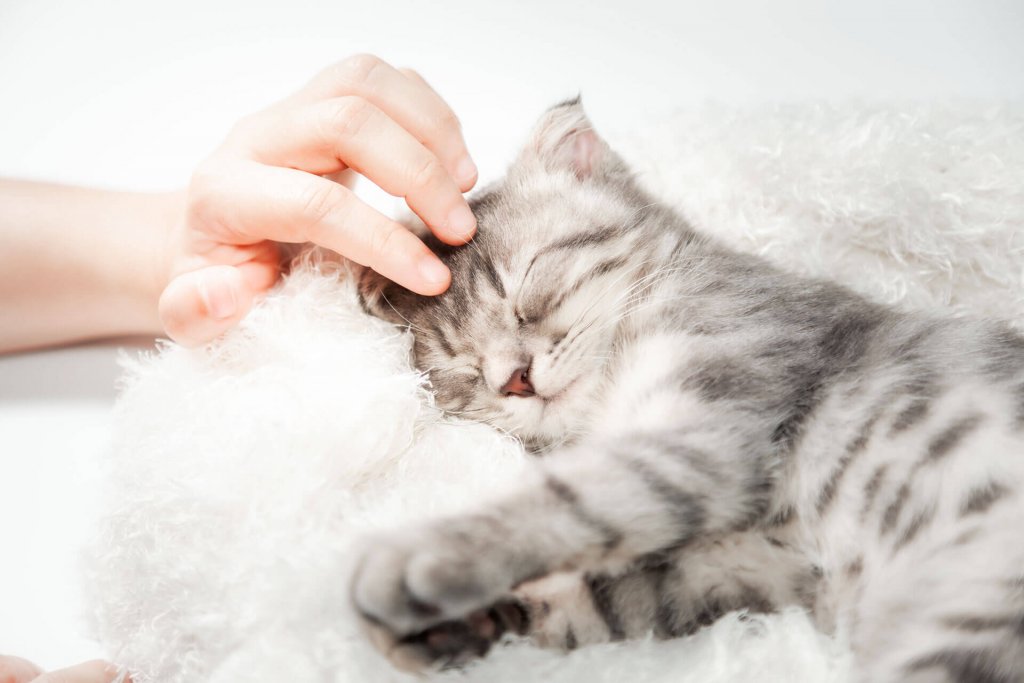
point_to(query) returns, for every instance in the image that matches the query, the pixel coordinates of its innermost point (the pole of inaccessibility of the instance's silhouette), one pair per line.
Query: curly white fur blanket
(243, 473)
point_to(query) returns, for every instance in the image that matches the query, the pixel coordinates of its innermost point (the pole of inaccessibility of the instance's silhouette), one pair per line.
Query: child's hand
(18, 670)
(276, 179)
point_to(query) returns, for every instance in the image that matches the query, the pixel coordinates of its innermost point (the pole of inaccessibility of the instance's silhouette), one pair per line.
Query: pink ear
(587, 151)
(565, 140)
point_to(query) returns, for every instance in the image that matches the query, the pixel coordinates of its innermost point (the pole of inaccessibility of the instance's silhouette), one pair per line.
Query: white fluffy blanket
(243, 473)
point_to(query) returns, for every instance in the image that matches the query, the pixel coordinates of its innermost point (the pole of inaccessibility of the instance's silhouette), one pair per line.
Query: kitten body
(715, 434)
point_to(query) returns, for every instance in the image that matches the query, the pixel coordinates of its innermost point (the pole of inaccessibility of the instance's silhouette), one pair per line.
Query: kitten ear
(375, 294)
(565, 140)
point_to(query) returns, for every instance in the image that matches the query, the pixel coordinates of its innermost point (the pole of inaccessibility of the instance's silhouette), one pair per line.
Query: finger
(346, 177)
(96, 671)
(414, 75)
(17, 670)
(351, 132)
(291, 206)
(409, 101)
(198, 306)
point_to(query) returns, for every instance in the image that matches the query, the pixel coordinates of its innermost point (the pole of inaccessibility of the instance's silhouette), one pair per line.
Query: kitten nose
(518, 384)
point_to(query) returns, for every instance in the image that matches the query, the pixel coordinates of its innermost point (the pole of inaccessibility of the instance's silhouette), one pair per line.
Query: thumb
(198, 306)
(17, 670)
(95, 671)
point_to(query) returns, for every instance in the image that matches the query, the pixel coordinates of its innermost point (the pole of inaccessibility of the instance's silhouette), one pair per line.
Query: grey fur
(714, 434)
(982, 498)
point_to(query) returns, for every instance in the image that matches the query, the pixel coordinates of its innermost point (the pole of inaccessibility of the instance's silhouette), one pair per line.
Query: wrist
(145, 228)
(79, 264)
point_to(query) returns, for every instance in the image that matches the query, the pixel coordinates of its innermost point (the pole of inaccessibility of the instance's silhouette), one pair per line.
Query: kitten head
(523, 336)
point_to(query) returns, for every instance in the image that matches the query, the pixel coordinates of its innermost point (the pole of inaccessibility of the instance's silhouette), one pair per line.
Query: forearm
(79, 264)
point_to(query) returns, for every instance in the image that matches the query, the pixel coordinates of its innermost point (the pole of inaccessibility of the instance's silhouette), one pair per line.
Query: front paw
(452, 644)
(426, 600)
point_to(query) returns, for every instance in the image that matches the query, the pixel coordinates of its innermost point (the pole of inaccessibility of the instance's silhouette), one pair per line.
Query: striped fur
(715, 435)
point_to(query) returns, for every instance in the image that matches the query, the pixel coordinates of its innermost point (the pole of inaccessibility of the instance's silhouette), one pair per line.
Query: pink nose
(518, 384)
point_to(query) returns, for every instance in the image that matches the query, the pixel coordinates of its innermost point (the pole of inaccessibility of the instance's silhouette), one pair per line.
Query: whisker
(399, 314)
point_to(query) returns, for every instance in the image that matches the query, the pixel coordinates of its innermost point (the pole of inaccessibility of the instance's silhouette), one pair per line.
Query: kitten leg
(669, 595)
(595, 509)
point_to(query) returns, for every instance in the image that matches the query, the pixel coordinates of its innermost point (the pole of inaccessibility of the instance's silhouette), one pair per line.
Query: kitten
(715, 435)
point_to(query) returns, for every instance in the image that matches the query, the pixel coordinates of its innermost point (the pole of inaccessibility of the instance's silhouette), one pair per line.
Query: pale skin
(79, 264)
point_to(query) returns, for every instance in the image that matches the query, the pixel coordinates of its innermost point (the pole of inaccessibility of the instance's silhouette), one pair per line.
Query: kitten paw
(425, 605)
(452, 644)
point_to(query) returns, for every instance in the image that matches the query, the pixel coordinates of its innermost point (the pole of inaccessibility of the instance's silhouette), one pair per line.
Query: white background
(131, 95)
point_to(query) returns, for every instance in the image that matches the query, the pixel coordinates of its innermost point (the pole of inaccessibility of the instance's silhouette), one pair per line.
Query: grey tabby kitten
(716, 435)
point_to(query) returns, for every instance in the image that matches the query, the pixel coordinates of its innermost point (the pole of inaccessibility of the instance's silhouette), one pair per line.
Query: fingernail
(218, 297)
(432, 270)
(465, 170)
(462, 222)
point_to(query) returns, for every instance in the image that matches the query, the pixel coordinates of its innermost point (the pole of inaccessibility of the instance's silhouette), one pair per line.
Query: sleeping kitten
(716, 435)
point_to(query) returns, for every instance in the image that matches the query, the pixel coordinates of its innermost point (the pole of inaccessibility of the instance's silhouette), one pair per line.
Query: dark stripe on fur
(442, 340)
(1019, 398)
(584, 238)
(602, 593)
(611, 536)
(964, 666)
(839, 350)
(977, 624)
(597, 271)
(805, 585)
(965, 537)
(781, 517)
(683, 505)
(893, 510)
(720, 379)
(981, 499)
(910, 416)
(570, 639)
(872, 488)
(754, 601)
(855, 568)
(951, 437)
(491, 272)
(709, 613)
(664, 578)
(913, 528)
(853, 449)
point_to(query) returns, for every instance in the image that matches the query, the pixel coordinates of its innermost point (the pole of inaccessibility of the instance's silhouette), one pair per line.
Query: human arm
(78, 264)
(82, 264)
(18, 670)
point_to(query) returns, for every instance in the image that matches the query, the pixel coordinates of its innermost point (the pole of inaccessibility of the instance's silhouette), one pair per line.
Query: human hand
(283, 176)
(18, 670)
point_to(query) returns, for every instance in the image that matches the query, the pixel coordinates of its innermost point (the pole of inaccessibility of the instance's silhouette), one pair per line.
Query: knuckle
(411, 73)
(203, 199)
(446, 122)
(426, 174)
(383, 240)
(346, 118)
(359, 69)
(316, 203)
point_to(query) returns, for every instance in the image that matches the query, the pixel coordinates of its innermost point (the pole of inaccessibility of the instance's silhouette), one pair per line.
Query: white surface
(132, 95)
